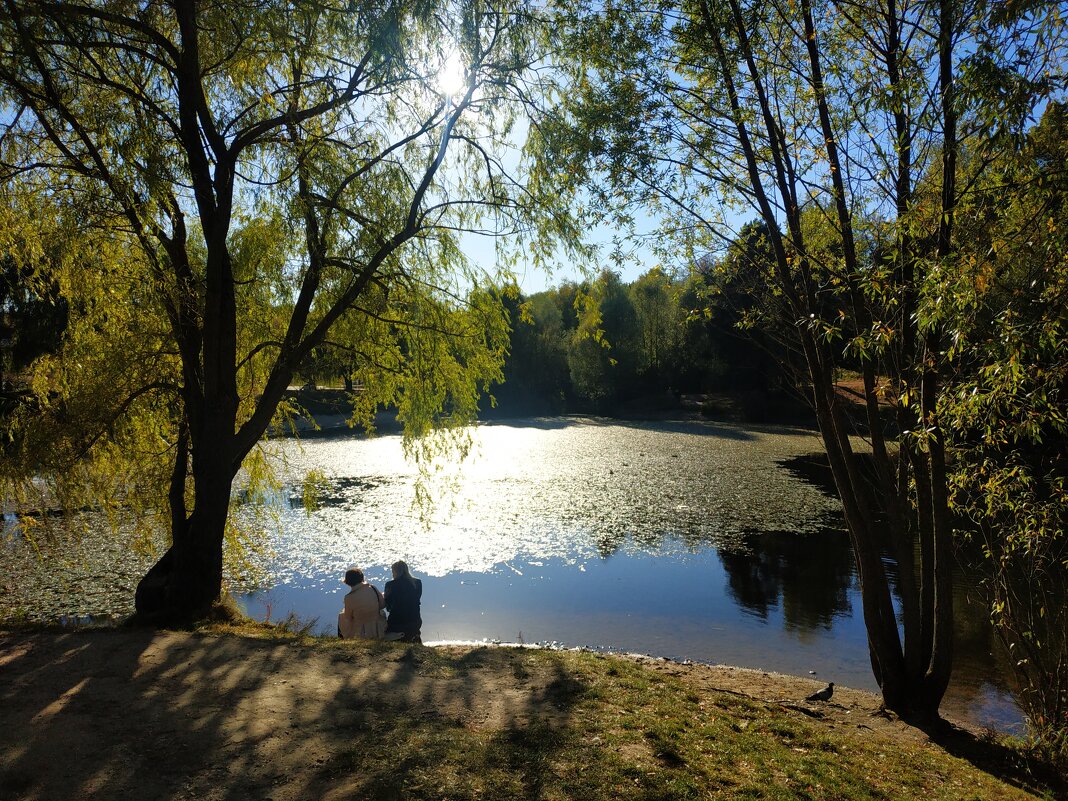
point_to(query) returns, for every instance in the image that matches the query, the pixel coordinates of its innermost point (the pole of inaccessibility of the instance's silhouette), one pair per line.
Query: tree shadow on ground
(145, 714)
(136, 714)
(995, 758)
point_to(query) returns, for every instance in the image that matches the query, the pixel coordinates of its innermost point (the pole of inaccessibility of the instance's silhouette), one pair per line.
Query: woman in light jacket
(362, 615)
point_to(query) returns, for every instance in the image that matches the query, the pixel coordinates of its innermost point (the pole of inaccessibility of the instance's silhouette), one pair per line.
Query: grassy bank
(255, 712)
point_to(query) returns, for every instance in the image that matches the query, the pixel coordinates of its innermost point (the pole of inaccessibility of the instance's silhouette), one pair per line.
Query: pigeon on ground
(823, 695)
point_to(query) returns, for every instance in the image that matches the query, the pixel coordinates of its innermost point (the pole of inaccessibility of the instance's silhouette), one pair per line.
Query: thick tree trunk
(186, 582)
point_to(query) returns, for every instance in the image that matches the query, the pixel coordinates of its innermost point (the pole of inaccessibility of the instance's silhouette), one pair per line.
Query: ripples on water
(570, 489)
(75, 569)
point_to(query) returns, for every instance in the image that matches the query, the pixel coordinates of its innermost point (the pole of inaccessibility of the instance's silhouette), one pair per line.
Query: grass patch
(629, 733)
(593, 727)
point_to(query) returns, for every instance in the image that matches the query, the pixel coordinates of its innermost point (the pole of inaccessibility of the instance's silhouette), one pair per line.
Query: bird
(823, 695)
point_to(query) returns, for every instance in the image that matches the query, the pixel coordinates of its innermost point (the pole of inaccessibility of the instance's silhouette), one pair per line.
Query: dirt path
(169, 715)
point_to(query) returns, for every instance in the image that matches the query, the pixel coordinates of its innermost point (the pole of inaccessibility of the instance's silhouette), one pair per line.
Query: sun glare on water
(533, 491)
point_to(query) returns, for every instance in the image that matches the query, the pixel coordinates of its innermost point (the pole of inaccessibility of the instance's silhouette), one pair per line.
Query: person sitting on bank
(362, 615)
(402, 601)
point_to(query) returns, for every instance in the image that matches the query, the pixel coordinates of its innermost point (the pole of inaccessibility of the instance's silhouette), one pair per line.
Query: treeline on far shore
(702, 342)
(659, 343)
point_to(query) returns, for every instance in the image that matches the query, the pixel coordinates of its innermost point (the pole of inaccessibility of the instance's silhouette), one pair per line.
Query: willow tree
(242, 183)
(1006, 313)
(838, 125)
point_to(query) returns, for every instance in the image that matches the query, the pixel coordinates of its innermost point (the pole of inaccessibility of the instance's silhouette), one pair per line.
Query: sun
(451, 78)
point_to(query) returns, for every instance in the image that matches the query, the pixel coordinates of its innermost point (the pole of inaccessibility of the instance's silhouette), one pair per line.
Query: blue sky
(481, 250)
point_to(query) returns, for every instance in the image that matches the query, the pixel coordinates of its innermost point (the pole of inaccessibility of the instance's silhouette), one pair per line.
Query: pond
(688, 540)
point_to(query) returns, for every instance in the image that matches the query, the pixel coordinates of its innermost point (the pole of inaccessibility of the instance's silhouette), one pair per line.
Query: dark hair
(354, 577)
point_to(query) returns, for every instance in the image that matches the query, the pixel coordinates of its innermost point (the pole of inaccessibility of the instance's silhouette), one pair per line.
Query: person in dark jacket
(402, 601)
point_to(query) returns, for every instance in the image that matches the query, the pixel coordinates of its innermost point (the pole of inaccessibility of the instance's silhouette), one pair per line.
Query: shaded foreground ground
(250, 714)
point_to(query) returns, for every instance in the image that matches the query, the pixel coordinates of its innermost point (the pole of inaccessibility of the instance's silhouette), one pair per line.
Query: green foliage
(860, 137)
(74, 402)
(239, 192)
(604, 344)
(1006, 311)
(654, 297)
(536, 378)
(601, 353)
(35, 316)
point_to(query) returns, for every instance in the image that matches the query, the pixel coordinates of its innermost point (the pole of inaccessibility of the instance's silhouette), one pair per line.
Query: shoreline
(335, 424)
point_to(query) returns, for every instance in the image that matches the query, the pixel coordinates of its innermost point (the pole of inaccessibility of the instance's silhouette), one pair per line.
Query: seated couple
(365, 609)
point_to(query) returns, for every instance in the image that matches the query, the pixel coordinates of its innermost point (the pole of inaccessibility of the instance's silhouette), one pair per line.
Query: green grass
(606, 727)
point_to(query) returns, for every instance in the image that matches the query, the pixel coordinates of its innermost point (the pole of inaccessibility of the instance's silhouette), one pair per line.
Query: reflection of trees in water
(651, 538)
(979, 657)
(809, 574)
(980, 653)
(810, 577)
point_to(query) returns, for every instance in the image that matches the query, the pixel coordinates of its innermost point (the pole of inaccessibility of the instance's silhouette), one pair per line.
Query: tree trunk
(187, 580)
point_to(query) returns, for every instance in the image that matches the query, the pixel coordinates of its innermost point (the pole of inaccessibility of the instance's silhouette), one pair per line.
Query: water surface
(687, 540)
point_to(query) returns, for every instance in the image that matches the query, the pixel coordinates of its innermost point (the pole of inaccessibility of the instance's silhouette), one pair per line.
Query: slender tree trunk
(939, 667)
(880, 621)
(879, 618)
(906, 675)
(903, 531)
